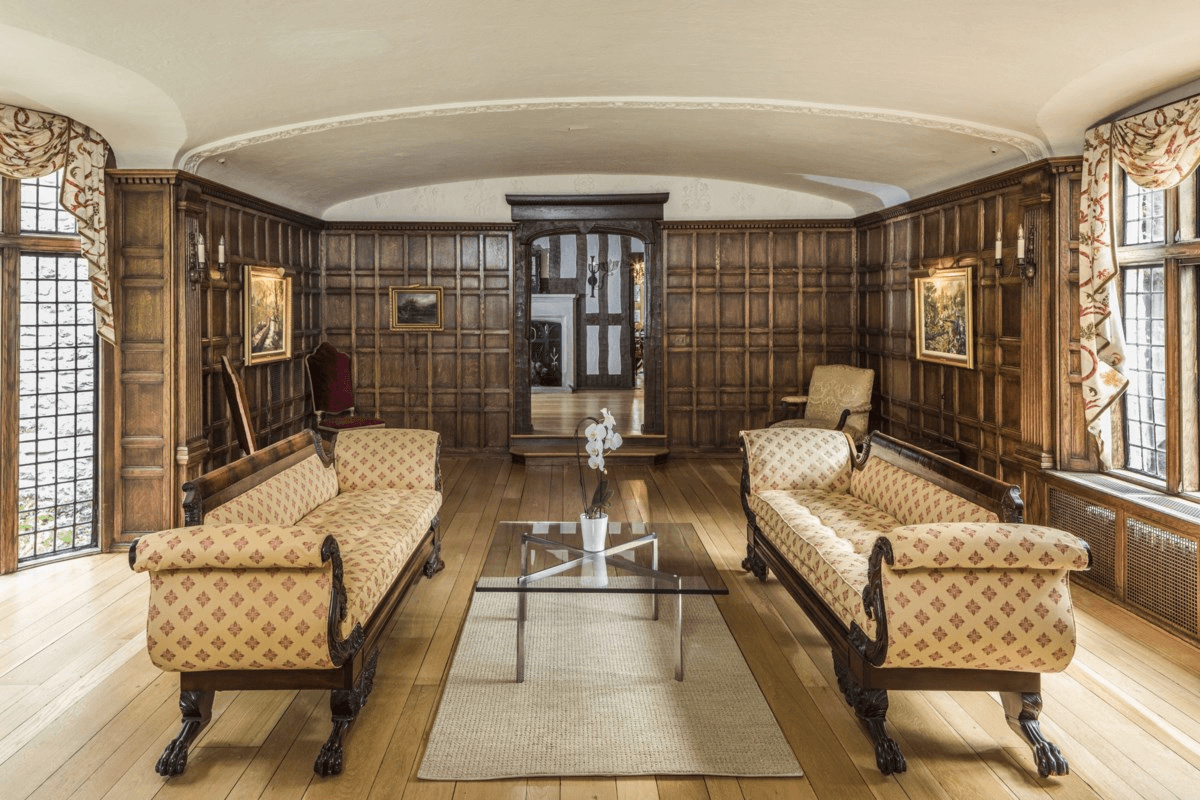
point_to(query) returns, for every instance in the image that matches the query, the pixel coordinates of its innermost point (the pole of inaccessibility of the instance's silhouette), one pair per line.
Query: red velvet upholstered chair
(332, 391)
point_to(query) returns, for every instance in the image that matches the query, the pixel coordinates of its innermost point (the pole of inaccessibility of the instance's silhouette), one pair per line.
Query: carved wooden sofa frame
(355, 657)
(857, 657)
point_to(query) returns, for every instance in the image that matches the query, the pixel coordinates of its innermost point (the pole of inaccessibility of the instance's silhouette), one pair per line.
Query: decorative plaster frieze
(1032, 148)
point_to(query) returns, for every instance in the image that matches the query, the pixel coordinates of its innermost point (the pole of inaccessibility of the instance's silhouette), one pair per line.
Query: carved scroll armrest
(986, 545)
(229, 546)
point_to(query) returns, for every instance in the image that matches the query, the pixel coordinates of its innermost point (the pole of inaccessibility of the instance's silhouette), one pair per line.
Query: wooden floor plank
(87, 714)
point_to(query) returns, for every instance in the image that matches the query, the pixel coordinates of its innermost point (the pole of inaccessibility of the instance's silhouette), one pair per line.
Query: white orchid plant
(599, 437)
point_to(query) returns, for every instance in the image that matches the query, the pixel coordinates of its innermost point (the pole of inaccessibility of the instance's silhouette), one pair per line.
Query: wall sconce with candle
(596, 273)
(198, 264)
(1024, 266)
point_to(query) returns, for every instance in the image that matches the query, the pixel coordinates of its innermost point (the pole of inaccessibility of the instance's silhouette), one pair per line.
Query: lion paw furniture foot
(289, 571)
(918, 572)
(1022, 711)
(196, 708)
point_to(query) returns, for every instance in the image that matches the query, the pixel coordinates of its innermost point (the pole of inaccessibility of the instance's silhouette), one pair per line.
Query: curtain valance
(34, 143)
(1157, 149)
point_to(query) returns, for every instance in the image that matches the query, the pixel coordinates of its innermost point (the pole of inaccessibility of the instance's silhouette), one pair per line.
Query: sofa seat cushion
(282, 499)
(910, 498)
(376, 530)
(827, 537)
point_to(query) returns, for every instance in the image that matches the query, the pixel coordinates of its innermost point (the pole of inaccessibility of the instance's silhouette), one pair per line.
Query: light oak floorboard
(83, 713)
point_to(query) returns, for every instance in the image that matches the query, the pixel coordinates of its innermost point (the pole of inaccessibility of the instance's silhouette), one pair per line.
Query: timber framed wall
(998, 414)
(170, 421)
(750, 308)
(457, 381)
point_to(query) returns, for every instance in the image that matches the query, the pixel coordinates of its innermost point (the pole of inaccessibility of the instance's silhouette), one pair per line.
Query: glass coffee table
(650, 558)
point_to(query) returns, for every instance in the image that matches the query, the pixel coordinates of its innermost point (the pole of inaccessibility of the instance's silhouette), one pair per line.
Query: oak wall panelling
(749, 309)
(457, 381)
(999, 414)
(169, 418)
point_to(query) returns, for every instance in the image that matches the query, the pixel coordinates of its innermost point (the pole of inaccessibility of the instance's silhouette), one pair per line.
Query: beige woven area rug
(600, 696)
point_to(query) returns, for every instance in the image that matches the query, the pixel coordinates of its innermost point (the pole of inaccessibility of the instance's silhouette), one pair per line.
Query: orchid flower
(599, 437)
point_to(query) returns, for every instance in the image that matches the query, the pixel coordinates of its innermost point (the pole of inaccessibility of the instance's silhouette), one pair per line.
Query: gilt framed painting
(944, 318)
(268, 324)
(416, 308)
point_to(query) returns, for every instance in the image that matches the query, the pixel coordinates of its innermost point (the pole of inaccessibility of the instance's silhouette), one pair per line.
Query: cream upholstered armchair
(839, 397)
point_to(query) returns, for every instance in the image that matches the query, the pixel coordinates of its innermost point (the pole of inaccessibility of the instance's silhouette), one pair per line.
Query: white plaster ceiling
(807, 108)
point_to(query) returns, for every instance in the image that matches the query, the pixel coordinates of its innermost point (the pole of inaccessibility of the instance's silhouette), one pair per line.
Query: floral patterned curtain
(1157, 149)
(33, 143)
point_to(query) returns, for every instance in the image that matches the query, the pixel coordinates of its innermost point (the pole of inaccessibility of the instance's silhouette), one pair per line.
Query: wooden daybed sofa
(917, 571)
(292, 564)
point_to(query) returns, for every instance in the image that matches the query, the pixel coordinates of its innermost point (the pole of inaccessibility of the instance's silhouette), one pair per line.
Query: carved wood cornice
(420, 227)
(1011, 179)
(210, 190)
(761, 224)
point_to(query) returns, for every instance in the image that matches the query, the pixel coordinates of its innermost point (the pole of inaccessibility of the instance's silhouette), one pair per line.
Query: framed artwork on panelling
(944, 317)
(416, 308)
(268, 328)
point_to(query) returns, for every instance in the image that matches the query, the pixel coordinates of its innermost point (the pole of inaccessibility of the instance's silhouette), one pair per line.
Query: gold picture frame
(945, 319)
(416, 308)
(268, 314)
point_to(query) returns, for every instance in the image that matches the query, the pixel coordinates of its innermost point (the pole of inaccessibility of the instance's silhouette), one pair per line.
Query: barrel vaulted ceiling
(395, 109)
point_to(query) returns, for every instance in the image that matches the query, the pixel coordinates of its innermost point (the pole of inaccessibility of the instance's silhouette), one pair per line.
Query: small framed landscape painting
(416, 308)
(944, 319)
(268, 302)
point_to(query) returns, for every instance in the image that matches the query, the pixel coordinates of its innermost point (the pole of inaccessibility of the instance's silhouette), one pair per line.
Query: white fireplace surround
(558, 308)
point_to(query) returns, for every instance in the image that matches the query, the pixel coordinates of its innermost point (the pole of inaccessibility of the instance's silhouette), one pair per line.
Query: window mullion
(1183, 425)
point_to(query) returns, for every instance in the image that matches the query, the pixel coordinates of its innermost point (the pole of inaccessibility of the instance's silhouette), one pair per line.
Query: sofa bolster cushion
(230, 546)
(798, 458)
(386, 458)
(985, 545)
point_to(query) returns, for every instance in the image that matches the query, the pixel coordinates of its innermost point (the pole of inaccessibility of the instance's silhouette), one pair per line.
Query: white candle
(221, 251)
(999, 243)
(1020, 242)
(544, 264)
(200, 248)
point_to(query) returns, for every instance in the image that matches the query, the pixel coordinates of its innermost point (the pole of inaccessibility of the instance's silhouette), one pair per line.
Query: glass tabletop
(640, 558)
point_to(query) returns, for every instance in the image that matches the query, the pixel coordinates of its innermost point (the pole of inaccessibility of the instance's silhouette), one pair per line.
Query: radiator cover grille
(1161, 573)
(1097, 526)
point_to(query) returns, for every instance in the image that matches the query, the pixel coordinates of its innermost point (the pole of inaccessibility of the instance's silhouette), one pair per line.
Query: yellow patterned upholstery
(1002, 545)
(785, 458)
(282, 499)
(910, 498)
(248, 589)
(965, 591)
(832, 389)
(386, 458)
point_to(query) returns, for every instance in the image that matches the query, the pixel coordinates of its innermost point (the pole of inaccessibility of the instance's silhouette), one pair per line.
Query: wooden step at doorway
(537, 448)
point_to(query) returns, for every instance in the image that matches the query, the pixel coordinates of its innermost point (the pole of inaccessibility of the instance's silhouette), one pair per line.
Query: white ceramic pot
(594, 531)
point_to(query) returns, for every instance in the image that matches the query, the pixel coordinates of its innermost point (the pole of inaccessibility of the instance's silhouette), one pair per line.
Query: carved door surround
(620, 214)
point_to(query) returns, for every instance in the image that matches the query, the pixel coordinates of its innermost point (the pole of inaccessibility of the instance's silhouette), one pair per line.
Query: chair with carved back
(239, 408)
(329, 383)
(839, 398)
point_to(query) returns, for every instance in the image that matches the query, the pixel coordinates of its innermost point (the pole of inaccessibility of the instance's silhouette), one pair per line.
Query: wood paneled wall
(999, 413)
(457, 381)
(751, 308)
(170, 419)
(278, 391)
